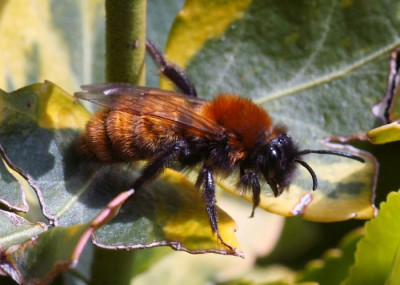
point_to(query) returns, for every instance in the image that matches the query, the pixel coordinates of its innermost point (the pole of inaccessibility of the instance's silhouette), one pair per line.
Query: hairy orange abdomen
(117, 136)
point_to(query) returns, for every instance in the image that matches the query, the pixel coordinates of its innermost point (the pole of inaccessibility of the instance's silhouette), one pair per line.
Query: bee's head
(279, 158)
(276, 162)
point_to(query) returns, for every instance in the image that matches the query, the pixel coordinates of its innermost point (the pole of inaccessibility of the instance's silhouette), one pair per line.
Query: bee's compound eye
(274, 153)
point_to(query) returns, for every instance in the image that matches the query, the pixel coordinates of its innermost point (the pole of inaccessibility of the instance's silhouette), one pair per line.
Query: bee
(223, 135)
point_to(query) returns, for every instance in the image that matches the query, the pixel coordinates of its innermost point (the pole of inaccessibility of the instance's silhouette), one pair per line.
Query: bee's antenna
(332, 152)
(308, 167)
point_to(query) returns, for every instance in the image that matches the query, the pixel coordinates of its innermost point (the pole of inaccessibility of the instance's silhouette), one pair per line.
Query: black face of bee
(277, 162)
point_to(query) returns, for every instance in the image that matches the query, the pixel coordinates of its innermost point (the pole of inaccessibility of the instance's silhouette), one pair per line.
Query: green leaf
(69, 33)
(11, 192)
(385, 134)
(61, 41)
(214, 16)
(376, 256)
(318, 73)
(245, 281)
(57, 249)
(167, 212)
(334, 266)
(394, 276)
(15, 229)
(52, 248)
(41, 123)
(160, 15)
(388, 109)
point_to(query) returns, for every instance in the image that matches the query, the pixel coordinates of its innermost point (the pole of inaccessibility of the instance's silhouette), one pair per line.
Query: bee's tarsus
(231, 248)
(250, 180)
(252, 212)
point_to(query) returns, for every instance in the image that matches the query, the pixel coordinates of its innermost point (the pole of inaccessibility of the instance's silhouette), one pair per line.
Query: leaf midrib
(327, 77)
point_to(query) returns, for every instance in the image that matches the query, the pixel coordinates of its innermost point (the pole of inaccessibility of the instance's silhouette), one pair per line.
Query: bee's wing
(121, 88)
(168, 105)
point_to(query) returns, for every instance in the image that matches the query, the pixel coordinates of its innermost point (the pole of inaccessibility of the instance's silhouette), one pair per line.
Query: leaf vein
(329, 76)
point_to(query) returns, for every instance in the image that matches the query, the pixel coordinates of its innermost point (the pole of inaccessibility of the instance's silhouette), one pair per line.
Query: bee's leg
(173, 72)
(159, 162)
(250, 180)
(206, 180)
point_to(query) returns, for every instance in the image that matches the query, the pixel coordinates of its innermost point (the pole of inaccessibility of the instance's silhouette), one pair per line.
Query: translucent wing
(177, 108)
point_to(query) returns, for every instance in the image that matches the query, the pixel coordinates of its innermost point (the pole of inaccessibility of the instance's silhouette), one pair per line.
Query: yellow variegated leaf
(385, 134)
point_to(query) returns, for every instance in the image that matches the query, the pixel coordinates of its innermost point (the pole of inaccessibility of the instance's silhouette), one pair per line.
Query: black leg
(159, 162)
(250, 180)
(206, 180)
(171, 71)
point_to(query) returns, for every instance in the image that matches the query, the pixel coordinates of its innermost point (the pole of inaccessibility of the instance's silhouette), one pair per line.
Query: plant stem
(112, 267)
(125, 51)
(125, 41)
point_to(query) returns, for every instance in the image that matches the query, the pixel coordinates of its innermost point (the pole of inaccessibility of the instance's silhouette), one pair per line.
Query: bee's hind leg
(158, 163)
(172, 71)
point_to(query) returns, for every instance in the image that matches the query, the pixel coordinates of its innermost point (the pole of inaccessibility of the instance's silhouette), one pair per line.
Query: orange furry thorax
(247, 120)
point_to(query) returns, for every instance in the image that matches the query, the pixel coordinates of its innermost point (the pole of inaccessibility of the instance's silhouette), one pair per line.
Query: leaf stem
(125, 41)
(112, 267)
(125, 51)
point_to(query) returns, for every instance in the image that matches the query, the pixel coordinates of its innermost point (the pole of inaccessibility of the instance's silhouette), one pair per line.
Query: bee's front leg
(250, 180)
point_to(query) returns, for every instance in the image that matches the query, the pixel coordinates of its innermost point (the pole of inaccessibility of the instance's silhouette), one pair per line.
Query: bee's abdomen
(94, 143)
(117, 136)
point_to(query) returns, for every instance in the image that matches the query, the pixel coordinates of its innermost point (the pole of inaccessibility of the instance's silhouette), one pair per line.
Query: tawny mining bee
(222, 135)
